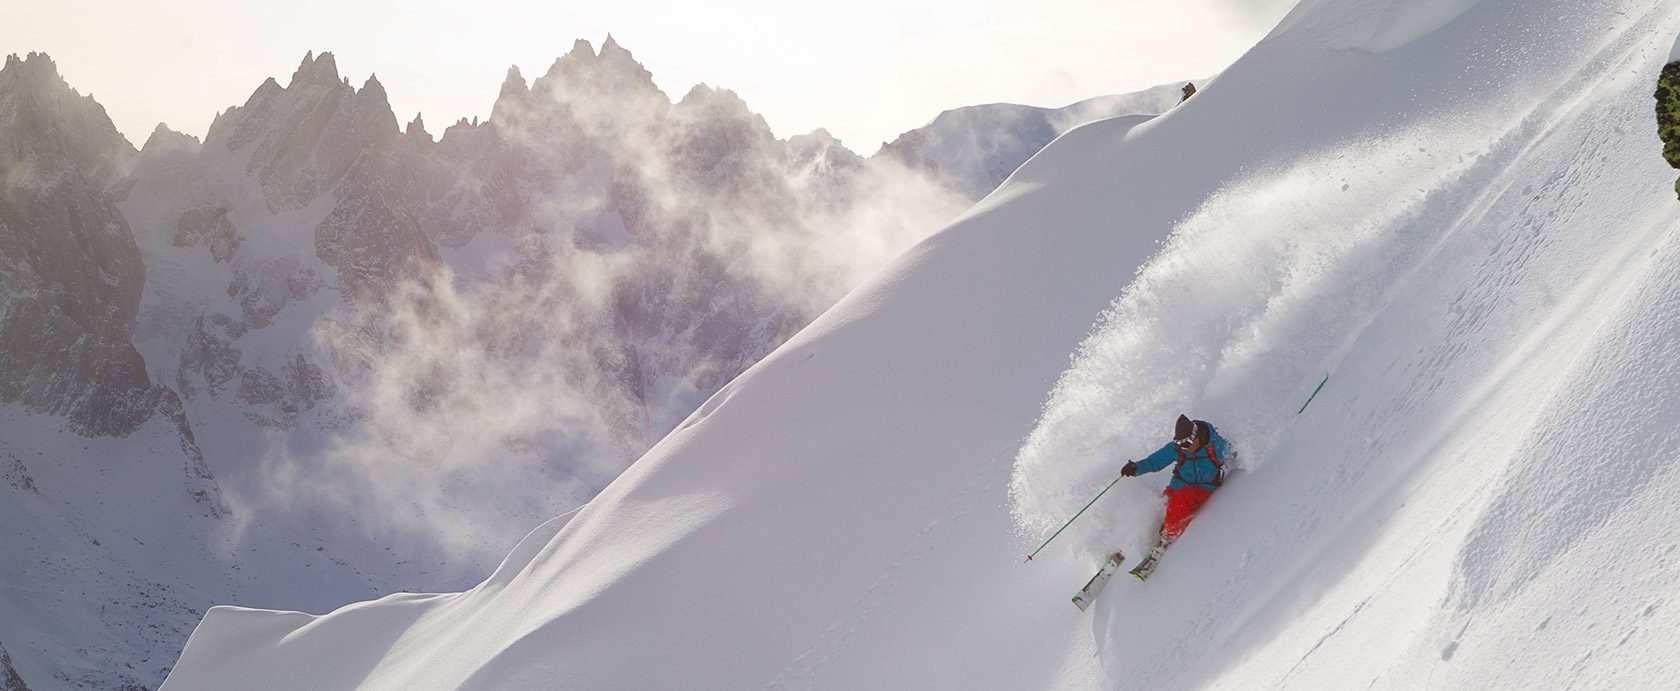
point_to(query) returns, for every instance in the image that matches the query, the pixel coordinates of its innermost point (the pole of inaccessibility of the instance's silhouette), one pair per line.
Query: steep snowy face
(72, 278)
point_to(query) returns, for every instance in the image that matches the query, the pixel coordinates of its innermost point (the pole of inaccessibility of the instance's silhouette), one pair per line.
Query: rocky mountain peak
(614, 72)
(514, 98)
(715, 123)
(38, 67)
(163, 131)
(41, 115)
(514, 84)
(417, 129)
(373, 92)
(373, 114)
(721, 102)
(582, 49)
(167, 140)
(612, 52)
(316, 70)
(305, 68)
(308, 134)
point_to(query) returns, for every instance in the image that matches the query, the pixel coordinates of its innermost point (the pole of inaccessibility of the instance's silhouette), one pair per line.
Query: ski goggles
(1189, 441)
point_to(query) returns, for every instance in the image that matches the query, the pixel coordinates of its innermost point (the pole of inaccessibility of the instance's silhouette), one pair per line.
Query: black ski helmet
(1185, 429)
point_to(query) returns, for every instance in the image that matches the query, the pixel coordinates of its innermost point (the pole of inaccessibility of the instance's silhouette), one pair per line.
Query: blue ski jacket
(1204, 469)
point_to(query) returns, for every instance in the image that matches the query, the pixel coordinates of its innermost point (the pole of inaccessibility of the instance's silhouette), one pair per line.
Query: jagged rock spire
(417, 128)
(322, 70)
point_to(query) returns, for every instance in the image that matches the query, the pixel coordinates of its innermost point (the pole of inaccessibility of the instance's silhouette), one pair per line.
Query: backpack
(1213, 455)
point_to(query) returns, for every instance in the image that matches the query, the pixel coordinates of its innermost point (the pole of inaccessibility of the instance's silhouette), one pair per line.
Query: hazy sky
(866, 70)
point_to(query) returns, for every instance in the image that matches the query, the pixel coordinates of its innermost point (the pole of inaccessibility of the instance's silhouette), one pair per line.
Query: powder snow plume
(1248, 305)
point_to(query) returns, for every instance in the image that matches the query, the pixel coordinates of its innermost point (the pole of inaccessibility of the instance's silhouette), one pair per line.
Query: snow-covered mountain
(396, 353)
(1458, 210)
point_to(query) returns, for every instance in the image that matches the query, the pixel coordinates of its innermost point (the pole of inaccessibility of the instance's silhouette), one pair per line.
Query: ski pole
(1071, 520)
(1314, 395)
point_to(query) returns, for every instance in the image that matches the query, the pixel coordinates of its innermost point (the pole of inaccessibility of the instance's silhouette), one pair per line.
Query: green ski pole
(1314, 395)
(1071, 520)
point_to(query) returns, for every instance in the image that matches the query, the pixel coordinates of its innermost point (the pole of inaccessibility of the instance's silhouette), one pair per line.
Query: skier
(1198, 455)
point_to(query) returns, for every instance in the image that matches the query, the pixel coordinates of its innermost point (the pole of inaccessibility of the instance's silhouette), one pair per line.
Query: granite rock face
(70, 273)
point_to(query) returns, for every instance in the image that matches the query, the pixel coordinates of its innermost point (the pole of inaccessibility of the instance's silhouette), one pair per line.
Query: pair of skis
(1088, 594)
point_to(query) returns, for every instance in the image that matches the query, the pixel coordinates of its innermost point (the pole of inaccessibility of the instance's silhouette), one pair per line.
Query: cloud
(608, 259)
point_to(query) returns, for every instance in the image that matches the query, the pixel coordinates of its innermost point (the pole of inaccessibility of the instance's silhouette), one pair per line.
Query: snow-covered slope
(1457, 209)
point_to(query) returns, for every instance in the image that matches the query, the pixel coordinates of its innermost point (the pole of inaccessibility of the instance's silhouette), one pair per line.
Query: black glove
(1130, 470)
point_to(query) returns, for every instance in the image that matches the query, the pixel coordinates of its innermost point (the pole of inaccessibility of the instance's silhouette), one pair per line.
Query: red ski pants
(1181, 506)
